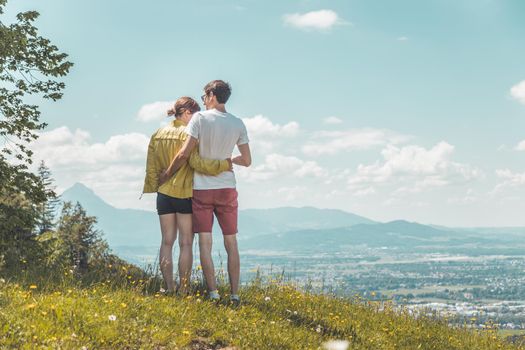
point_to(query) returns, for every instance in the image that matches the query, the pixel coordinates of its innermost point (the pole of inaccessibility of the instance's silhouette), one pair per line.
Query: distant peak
(78, 186)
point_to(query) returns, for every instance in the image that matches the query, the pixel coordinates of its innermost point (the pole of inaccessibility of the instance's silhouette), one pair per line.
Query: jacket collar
(176, 123)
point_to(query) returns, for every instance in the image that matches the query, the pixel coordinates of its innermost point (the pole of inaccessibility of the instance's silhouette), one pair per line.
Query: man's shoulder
(234, 118)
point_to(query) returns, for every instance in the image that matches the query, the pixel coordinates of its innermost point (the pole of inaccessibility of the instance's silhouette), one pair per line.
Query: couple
(190, 167)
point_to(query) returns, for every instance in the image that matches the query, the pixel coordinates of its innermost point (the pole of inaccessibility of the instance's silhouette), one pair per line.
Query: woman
(174, 195)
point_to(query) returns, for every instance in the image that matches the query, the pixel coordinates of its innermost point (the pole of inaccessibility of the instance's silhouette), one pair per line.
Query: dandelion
(336, 345)
(112, 317)
(123, 305)
(185, 332)
(32, 286)
(30, 306)
(199, 267)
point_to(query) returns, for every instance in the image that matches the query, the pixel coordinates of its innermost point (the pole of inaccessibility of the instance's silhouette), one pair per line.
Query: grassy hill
(271, 316)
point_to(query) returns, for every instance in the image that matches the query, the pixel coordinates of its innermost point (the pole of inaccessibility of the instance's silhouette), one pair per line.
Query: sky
(409, 110)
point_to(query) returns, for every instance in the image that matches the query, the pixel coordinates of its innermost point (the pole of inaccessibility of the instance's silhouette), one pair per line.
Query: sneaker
(214, 295)
(235, 300)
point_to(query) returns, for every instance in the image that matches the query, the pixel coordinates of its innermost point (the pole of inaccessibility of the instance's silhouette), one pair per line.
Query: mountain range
(141, 227)
(286, 227)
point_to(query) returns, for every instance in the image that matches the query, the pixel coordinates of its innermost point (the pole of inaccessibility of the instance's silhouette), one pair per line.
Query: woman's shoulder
(169, 132)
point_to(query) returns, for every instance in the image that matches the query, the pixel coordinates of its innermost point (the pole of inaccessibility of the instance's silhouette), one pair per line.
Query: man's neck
(221, 108)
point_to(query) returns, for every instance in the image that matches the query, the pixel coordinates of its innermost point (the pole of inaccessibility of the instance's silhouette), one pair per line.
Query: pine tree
(77, 230)
(47, 210)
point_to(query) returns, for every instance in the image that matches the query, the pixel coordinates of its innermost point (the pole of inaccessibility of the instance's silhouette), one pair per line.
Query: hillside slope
(270, 317)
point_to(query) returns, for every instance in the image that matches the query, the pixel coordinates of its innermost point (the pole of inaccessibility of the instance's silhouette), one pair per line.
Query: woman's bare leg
(168, 227)
(185, 225)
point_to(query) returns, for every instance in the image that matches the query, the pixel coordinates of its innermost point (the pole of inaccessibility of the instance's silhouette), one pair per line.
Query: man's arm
(245, 159)
(206, 166)
(179, 159)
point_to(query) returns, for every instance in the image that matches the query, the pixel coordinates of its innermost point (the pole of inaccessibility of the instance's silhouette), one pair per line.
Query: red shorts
(222, 202)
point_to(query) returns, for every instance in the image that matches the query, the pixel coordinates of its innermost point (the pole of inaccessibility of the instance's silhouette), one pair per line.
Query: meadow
(127, 311)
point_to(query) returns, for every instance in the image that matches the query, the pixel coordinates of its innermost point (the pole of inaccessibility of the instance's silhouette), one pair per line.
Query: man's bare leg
(168, 227)
(184, 223)
(234, 264)
(205, 245)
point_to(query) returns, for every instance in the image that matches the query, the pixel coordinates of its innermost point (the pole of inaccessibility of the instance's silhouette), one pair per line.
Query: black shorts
(171, 205)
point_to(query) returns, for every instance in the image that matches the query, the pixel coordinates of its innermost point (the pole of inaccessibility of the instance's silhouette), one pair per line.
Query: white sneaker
(214, 295)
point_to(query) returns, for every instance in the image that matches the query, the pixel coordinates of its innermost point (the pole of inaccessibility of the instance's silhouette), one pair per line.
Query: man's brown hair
(221, 89)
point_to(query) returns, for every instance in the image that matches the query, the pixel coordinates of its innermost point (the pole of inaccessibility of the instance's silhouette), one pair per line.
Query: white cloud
(154, 111)
(402, 38)
(518, 91)
(413, 168)
(469, 198)
(113, 168)
(314, 20)
(280, 166)
(510, 179)
(262, 126)
(265, 136)
(520, 146)
(332, 142)
(292, 193)
(62, 147)
(332, 120)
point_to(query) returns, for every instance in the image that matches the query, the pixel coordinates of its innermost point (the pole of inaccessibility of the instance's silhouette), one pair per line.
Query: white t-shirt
(218, 133)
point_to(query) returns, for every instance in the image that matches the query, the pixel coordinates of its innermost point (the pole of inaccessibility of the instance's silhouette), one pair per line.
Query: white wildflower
(336, 345)
(267, 298)
(112, 317)
(318, 329)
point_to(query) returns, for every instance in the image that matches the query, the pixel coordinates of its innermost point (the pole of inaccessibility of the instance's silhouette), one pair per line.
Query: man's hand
(230, 162)
(163, 177)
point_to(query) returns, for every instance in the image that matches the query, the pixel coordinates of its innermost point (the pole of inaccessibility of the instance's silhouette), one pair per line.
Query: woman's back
(165, 143)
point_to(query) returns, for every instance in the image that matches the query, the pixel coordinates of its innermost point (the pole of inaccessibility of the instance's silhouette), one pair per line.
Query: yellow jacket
(164, 145)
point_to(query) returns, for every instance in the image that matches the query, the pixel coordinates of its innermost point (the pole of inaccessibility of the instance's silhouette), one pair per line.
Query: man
(216, 132)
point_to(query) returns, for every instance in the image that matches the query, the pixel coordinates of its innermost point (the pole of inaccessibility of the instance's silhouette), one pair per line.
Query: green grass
(272, 316)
